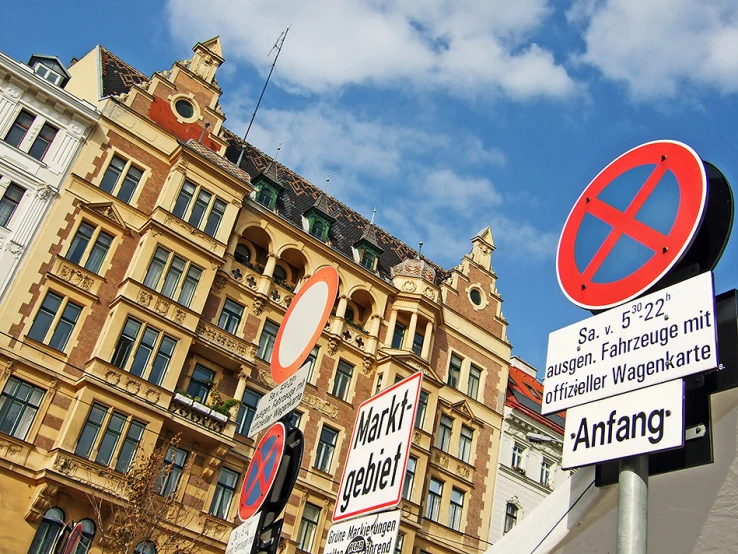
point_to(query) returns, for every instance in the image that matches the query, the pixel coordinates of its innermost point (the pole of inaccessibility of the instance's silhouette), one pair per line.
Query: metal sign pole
(633, 505)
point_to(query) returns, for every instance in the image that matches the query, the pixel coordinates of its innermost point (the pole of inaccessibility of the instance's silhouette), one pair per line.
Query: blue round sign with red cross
(262, 471)
(664, 246)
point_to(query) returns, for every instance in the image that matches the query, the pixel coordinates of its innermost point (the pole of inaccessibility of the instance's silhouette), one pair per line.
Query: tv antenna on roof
(278, 47)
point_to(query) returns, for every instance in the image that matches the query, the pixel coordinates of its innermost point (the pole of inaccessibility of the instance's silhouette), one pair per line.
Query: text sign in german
(279, 401)
(242, 537)
(662, 336)
(378, 451)
(365, 535)
(638, 422)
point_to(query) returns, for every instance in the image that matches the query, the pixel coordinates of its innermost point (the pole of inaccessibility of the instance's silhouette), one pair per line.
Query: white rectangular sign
(242, 537)
(279, 401)
(378, 451)
(638, 422)
(663, 336)
(375, 533)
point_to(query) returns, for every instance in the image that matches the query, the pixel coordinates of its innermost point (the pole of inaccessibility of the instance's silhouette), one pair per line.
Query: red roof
(525, 393)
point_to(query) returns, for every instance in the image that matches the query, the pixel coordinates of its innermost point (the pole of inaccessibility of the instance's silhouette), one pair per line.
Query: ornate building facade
(42, 128)
(152, 296)
(530, 451)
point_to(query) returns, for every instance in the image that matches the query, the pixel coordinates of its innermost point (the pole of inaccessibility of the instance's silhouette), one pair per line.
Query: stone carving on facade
(367, 366)
(197, 416)
(179, 316)
(222, 339)
(409, 286)
(214, 463)
(132, 386)
(251, 282)
(112, 377)
(42, 501)
(152, 395)
(441, 460)
(322, 406)
(416, 437)
(7, 372)
(14, 248)
(145, 298)
(463, 470)
(258, 306)
(12, 91)
(275, 295)
(8, 448)
(266, 378)
(162, 306)
(219, 282)
(332, 346)
(75, 277)
(64, 464)
(108, 212)
(429, 293)
(76, 129)
(44, 193)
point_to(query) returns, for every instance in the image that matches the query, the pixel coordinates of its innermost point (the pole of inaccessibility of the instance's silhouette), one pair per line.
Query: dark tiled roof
(272, 174)
(321, 205)
(220, 161)
(298, 196)
(118, 76)
(524, 393)
(370, 235)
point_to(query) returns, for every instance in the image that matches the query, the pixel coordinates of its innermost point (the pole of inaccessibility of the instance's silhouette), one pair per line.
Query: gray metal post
(633, 505)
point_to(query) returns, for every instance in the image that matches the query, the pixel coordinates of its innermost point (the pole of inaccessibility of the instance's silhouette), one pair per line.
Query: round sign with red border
(665, 155)
(262, 471)
(74, 539)
(303, 323)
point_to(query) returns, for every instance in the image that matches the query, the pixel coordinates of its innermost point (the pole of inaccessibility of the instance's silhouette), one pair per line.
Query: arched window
(279, 275)
(88, 536)
(145, 547)
(49, 532)
(242, 254)
(318, 229)
(349, 314)
(266, 197)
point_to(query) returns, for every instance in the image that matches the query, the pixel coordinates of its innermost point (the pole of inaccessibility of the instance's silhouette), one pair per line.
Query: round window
(184, 108)
(476, 297)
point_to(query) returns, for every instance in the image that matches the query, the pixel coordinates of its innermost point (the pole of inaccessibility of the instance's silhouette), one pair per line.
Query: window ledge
(26, 155)
(59, 354)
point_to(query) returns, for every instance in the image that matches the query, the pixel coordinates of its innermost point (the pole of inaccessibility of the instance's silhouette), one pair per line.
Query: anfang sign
(378, 451)
(642, 421)
(660, 337)
(367, 535)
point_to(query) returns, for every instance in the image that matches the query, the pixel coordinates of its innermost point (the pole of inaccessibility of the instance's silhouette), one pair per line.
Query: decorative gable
(319, 218)
(108, 210)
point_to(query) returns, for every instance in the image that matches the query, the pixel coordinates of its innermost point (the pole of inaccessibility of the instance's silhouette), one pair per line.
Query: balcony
(202, 417)
(229, 344)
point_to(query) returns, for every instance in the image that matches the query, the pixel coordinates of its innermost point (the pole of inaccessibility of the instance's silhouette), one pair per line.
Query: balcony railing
(198, 413)
(218, 337)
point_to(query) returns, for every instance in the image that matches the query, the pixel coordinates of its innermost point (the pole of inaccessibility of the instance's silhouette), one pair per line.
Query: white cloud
(657, 47)
(463, 46)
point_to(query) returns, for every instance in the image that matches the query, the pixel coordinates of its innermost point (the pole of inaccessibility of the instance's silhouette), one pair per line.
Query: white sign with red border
(279, 401)
(242, 537)
(374, 533)
(378, 451)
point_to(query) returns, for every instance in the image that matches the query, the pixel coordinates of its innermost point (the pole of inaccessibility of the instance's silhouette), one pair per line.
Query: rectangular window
(58, 313)
(545, 471)
(511, 517)
(78, 251)
(230, 316)
(308, 527)
(20, 128)
(9, 202)
(433, 503)
(225, 490)
(152, 349)
(400, 543)
(102, 434)
(266, 341)
(295, 418)
(205, 213)
(44, 139)
(443, 438)
(246, 412)
(398, 336)
(171, 471)
(312, 359)
(200, 383)
(407, 484)
(517, 455)
(417, 344)
(342, 381)
(326, 447)
(422, 409)
(172, 267)
(475, 377)
(121, 179)
(454, 371)
(456, 509)
(465, 443)
(19, 404)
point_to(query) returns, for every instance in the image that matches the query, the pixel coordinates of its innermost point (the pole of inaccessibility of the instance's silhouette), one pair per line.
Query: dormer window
(319, 229)
(368, 259)
(47, 73)
(266, 196)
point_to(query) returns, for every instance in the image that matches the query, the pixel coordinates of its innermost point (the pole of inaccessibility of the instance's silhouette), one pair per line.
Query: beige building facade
(195, 260)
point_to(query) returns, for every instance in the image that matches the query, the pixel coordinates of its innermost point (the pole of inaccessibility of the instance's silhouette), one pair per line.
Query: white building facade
(530, 452)
(42, 128)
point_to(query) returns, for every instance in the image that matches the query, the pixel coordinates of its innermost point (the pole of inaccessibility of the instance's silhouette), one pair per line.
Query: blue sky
(447, 115)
